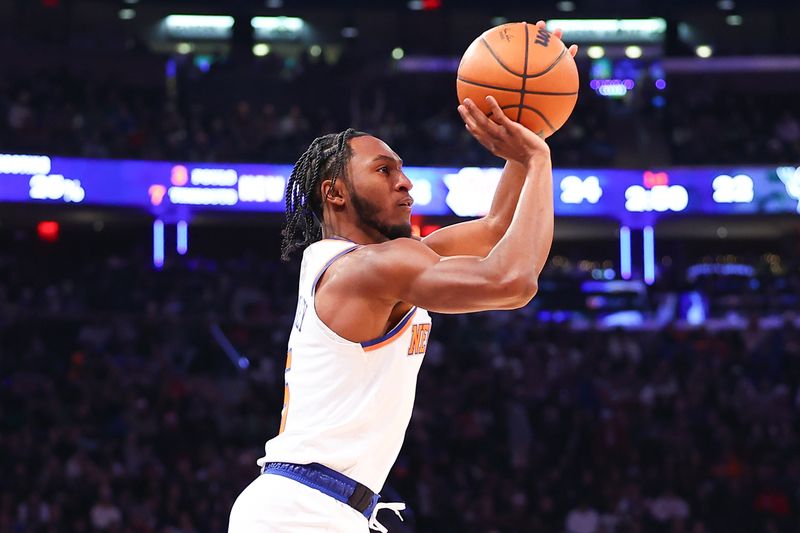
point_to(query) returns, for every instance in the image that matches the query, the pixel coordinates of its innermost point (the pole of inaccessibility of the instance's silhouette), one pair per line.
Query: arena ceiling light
(184, 48)
(260, 49)
(611, 30)
(703, 51)
(734, 20)
(126, 14)
(633, 52)
(565, 6)
(595, 52)
(267, 28)
(198, 26)
(398, 53)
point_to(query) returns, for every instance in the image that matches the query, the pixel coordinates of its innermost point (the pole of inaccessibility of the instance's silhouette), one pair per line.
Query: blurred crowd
(705, 127)
(136, 400)
(266, 113)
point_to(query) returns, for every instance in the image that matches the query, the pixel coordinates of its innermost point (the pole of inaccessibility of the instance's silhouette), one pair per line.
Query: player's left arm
(478, 237)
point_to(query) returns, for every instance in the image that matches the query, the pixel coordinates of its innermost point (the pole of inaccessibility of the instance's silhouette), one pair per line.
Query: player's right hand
(501, 135)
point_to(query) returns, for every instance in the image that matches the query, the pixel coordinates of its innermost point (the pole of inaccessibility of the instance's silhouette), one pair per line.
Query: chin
(398, 231)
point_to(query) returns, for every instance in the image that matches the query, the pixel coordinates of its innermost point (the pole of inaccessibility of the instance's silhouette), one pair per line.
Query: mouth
(407, 203)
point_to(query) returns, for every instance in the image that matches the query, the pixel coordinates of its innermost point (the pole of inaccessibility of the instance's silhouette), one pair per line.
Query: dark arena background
(651, 386)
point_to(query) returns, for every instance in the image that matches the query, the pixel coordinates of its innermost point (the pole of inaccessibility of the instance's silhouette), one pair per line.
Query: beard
(368, 213)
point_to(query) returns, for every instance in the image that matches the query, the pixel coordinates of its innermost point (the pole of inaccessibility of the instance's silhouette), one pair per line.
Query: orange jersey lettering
(419, 339)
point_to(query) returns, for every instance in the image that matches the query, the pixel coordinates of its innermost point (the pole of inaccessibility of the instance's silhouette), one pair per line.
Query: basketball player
(362, 326)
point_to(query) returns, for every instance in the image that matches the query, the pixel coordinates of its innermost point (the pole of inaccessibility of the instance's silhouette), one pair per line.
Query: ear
(332, 193)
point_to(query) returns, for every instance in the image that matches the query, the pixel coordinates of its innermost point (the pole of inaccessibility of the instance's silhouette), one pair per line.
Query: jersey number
(300, 315)
(285, 410)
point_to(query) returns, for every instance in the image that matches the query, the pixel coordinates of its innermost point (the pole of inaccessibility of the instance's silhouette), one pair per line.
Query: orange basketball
(529, 72)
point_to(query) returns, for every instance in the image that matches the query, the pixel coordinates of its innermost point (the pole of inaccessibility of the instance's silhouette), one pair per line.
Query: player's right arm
(507, 278)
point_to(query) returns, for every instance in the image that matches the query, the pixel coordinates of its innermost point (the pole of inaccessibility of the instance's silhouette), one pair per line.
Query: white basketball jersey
(347, 404)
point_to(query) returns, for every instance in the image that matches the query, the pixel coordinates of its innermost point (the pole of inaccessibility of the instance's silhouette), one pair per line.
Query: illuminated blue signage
(470, 190)
(633, 197)
(790, 176)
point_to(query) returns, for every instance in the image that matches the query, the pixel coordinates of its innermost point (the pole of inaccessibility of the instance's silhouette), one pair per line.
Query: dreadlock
(326, 157)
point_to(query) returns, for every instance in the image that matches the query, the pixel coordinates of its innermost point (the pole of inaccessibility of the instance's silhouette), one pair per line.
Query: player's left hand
(573, 49)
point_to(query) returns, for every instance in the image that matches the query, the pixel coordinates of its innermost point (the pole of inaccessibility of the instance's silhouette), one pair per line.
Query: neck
(351, 232)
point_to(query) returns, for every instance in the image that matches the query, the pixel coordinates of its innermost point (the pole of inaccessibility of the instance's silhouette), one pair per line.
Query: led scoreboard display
(634, 197)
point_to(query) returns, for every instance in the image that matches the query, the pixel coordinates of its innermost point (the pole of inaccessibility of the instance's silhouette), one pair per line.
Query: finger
(466, 117)
(481, 120)
(497, 114)
(542, 25)
(573, 50)
(462, 112)
(480, 136)
(469, 123)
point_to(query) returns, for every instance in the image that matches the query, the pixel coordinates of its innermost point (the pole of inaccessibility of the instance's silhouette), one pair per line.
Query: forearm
(524, 248)
(521, 253)
(505, 199)
(478, 237)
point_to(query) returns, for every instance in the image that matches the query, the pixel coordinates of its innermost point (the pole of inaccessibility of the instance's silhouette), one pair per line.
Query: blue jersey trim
(392, 332)
(328, 264)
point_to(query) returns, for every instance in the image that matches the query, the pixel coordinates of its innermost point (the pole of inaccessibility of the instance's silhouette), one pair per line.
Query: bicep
(473, 237)
(459, 284)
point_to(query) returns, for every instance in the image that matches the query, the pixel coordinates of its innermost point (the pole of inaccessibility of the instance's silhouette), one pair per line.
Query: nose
(404, 184)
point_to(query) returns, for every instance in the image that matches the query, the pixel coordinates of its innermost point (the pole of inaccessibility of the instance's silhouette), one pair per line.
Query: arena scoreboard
(636, 198)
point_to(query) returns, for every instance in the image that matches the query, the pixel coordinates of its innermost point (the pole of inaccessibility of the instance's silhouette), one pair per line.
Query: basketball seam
(498, 88)
(529, 108)
(499, 61)
(524, 75)
(552, 65)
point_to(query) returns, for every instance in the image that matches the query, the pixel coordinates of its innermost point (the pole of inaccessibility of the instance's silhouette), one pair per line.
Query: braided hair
(326, 157)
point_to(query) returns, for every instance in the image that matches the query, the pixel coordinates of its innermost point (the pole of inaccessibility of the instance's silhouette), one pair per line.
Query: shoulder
(370, 266)
(397, 251)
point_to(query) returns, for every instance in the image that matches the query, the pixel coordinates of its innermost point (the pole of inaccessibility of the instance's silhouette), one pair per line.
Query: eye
(384, 168)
